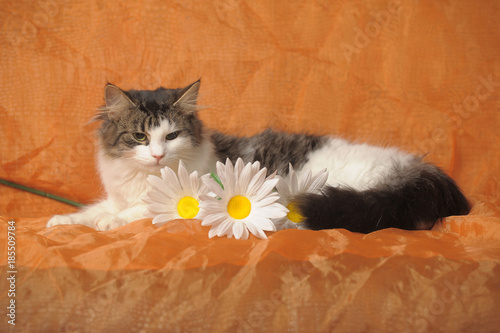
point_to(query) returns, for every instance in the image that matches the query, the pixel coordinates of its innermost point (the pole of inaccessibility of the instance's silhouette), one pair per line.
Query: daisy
(291, 186)
(174, 196)
(245, 204)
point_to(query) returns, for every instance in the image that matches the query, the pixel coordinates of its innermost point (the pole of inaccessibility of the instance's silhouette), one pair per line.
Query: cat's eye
(173, 135)
(141, 137)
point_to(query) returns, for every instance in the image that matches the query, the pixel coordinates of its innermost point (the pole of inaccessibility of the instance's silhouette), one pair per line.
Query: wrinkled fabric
(421, 75)
(175, 278)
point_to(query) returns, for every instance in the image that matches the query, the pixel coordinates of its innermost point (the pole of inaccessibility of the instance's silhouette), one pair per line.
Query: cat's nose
(158, 158)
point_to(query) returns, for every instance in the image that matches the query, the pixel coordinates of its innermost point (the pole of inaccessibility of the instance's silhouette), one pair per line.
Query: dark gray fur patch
(412, 197)
(150, 108)
(274, 150)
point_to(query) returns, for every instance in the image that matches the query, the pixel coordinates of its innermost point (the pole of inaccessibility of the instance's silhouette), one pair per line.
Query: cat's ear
(188, 98)
(116, 99)
(116, 102)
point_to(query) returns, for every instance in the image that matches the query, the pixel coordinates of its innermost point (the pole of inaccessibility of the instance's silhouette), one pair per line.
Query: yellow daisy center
(239, 207)
(187, 207)
(294, 213)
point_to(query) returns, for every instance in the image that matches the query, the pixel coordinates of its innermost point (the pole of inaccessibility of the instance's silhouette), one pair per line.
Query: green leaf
(217, 179)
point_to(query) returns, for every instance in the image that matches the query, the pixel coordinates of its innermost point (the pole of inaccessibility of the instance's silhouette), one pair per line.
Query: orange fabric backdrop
(419, 74)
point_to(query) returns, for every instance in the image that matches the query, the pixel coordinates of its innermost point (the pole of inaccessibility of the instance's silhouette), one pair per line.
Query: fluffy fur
(369, 187)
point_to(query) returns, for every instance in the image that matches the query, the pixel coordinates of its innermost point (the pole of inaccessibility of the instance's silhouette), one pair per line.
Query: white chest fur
(123, 181)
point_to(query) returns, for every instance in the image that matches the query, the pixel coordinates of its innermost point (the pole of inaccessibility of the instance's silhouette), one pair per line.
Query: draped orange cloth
(419, 74)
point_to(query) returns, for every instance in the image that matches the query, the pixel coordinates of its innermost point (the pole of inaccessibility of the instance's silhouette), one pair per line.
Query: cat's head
(150, 128)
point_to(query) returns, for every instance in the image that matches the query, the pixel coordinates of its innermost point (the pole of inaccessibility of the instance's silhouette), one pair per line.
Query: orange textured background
(409, 73)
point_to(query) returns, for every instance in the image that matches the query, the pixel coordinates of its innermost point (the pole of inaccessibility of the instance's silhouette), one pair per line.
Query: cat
(368, 188)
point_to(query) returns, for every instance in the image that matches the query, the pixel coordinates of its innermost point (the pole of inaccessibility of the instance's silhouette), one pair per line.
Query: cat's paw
(59, 219)
(106, 221)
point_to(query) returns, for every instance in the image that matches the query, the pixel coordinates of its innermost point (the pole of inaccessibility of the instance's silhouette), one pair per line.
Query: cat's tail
(412, 198)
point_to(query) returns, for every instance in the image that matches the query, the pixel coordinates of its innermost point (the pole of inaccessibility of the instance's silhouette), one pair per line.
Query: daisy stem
(217, 179)
(43, 194)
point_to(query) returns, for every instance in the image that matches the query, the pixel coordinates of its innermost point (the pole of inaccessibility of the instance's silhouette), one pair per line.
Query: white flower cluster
(240, 199)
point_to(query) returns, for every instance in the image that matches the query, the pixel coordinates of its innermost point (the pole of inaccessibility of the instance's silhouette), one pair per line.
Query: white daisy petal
(238, 228)
(223, 228)
(245, 234)
(212, 233)
(305, 181)
(229, 233)
(282, 187)
(318, 182)
(256, 231)
(160, 207)
(244, 178)
(213, 186)
(267, 200)
(255, 167)
(145, 198)
(212, 219)
(171, 179)
(280, 223)
(194, 182)
(229, 184)
(238, 168)
(294, 183)
(155, 196)
(263, 223)
(272, 175)
(225, 172)
(220, 167)
(184, 180)
(221, 171)
(265, 189)
(161, 219)
(161, 186)
(229, 171)
(202, 188)
(257, 181)
(209, 203)
(273, 211)
(200, 215)
(205, 177)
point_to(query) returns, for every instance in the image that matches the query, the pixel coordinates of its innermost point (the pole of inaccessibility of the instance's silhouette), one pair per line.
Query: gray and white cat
(369, 187)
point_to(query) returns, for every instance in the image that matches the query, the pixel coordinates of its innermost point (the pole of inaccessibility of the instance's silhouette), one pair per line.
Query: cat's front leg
(108, 221)
(88, 216)
(102, 216)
